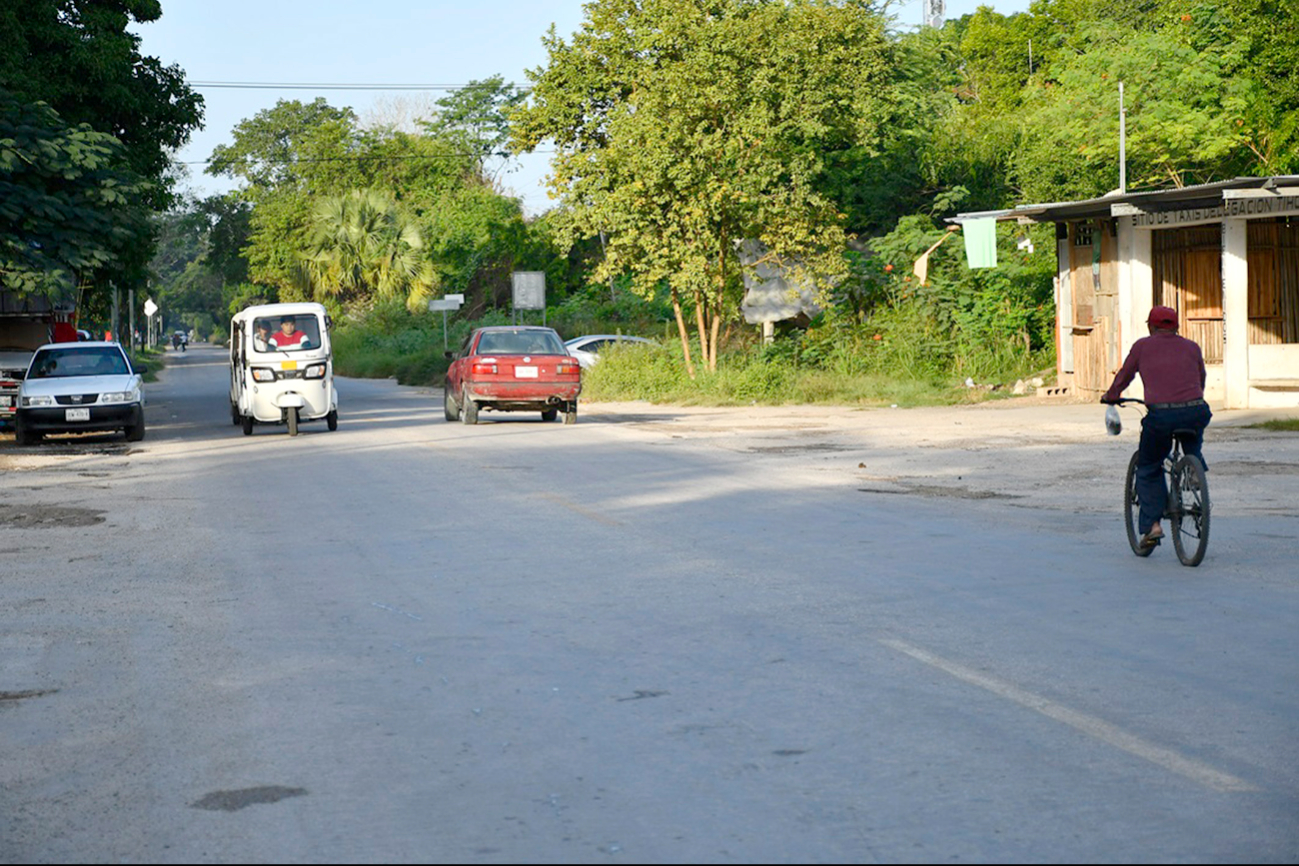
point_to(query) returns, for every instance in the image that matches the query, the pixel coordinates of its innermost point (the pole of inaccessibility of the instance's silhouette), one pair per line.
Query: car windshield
(520, 342)
(78, 361)
(286, 333)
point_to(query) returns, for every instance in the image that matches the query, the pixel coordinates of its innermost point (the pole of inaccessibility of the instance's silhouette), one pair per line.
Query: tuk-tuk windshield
(286, 333)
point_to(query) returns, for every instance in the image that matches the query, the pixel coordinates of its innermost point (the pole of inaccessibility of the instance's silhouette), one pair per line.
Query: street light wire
(285, 85)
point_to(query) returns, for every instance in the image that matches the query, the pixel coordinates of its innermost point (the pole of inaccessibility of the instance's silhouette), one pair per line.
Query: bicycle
(1187, 509)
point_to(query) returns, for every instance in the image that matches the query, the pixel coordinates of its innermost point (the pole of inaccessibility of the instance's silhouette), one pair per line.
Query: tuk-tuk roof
(301, 308)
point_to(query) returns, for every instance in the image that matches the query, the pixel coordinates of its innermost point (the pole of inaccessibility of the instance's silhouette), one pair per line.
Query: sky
(387, 42)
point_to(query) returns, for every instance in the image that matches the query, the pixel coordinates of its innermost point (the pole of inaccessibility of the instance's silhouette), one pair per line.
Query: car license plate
(288, 365)
(78, 415)
(525, 372)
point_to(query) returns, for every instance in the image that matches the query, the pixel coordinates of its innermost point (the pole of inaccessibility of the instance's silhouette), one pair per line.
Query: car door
(455, 373)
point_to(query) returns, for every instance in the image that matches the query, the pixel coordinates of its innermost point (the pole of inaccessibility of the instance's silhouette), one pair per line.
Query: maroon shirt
(1171, 368)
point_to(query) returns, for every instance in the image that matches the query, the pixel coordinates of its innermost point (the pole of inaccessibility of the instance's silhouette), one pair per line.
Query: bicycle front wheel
(1132, 509)
(1190, 512)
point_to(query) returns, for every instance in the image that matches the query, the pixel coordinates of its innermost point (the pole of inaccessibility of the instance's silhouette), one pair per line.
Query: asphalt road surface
(659, 635)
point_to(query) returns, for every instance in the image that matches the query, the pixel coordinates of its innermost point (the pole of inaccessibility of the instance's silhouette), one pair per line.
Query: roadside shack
(1224, 255)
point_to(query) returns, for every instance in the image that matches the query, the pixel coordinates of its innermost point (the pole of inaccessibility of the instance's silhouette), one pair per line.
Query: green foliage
(67, 200)
(363, 247)
(478, 115)
(79, 58)
(682, 128)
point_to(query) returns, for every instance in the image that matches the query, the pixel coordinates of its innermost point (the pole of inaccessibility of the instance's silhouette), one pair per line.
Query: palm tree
(363, 246)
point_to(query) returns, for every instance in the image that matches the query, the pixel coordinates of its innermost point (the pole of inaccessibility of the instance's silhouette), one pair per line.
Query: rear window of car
(78, 361)
(520, 343)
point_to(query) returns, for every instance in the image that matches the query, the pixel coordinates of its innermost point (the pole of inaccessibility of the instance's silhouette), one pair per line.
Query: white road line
(1101, 730)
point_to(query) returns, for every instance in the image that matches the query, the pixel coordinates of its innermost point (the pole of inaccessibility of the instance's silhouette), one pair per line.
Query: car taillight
(568, 367)
(484, 369)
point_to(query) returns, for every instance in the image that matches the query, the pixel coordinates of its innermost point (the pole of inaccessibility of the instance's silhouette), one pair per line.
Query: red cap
(1163, 317)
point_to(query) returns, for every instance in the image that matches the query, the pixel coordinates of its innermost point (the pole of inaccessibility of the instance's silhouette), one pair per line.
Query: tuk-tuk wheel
(293, 420)
(331, 420)
(247, 422)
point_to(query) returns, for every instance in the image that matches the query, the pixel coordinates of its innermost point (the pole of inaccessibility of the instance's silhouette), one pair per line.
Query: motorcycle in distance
(281, 367)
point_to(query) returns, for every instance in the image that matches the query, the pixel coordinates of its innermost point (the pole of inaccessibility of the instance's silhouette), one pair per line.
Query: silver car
(79, 388)
(587, 349)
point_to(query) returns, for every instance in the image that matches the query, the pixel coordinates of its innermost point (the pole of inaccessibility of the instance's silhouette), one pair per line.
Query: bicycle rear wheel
(1190, 514)
(1132, 509)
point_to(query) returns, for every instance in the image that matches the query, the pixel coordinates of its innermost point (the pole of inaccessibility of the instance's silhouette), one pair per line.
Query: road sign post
(448, 302)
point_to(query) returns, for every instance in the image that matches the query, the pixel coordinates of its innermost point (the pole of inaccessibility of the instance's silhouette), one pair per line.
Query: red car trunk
(513, 369)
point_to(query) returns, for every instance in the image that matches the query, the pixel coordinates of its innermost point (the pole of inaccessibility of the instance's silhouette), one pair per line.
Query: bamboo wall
(1093, 273)
(1273, 282)
(1188, 277)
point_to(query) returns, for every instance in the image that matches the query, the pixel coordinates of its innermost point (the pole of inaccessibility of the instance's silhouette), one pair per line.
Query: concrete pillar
(1141, 289)
(1235, 313)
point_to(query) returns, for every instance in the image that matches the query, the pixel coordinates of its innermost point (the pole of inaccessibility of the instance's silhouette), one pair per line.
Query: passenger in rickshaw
(262, 337)
(289, 336)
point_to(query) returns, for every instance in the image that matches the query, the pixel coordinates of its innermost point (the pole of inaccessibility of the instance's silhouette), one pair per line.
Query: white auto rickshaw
(281, 369)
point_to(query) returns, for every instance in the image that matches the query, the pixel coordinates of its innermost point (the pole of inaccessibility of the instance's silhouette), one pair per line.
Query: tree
(478, 114)
(67, 200)
(363, 246)
(1183, 106)
(684, 127)
(79, 57)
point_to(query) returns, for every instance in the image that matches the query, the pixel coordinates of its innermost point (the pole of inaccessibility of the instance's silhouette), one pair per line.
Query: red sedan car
(509, 368)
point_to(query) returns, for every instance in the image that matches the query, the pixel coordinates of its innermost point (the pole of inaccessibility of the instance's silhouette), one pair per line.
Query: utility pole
(1123, 143)
(130, 316)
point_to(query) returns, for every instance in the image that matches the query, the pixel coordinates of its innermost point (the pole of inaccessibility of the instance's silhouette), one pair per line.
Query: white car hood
(59, 385)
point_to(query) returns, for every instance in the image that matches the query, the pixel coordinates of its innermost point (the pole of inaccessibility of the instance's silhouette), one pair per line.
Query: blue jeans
(1156, 442)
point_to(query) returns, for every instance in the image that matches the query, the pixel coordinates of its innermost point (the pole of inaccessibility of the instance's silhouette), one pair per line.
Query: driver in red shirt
(1172, 373)
(289, 336)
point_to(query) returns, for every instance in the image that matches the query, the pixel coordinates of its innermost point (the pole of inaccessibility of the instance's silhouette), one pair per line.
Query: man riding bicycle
(1172, 372)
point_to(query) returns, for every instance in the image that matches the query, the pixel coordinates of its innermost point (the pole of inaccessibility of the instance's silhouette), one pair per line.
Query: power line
(284, 85)
(462, 155)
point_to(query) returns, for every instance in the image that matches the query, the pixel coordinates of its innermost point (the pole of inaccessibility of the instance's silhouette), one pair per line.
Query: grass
(1279, 425)
(905, 370)
(656, 374)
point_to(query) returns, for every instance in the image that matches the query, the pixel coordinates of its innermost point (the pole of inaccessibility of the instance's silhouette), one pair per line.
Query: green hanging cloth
(980, 242)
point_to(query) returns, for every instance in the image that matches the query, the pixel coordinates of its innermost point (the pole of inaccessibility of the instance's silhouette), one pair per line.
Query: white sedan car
(79, 388)
(587, 349)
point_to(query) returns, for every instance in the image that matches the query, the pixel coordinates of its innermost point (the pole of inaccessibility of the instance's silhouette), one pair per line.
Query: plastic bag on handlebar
(1113, 423)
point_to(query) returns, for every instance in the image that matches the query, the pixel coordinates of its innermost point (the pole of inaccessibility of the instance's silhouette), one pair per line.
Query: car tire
(549, 414)
(135, 432)
(450, 410)
(293, 420)
(468, 410)
(23, 436)
(246, 422)
(234, 414)
(570, 413)
(331, 420)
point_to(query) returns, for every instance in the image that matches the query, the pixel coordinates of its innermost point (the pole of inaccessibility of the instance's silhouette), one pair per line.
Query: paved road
(656, 636)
